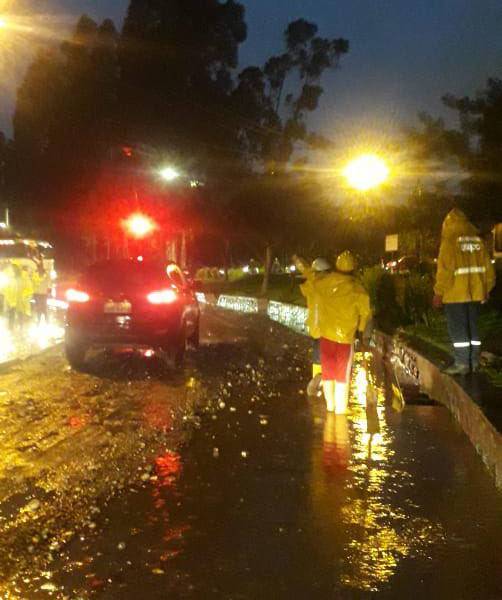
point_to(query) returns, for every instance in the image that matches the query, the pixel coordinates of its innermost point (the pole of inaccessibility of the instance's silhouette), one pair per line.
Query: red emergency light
(140, 225)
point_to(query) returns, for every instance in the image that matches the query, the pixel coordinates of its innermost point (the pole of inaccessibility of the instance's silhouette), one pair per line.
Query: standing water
(273, 498)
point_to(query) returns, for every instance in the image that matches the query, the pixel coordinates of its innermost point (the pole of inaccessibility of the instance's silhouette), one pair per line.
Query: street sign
(391, 243)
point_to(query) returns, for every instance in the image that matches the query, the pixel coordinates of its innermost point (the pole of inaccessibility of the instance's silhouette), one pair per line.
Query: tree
(476, 145)
(177, 59)
(65, 117)
(169, 81)
(272, 124)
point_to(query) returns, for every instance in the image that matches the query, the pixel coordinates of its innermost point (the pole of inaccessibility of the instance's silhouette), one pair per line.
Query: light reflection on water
(380, 530)
(34, 337)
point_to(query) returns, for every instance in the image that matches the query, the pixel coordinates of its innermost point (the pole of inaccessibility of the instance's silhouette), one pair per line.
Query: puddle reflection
(380, 532)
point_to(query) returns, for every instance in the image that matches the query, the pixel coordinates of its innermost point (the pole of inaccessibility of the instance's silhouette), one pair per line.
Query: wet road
(20, 345)
(269, 497)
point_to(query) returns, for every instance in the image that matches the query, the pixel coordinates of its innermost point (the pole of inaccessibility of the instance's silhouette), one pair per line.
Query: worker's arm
(491, 277)
(445, 271)
(365, 327)
(302, 265)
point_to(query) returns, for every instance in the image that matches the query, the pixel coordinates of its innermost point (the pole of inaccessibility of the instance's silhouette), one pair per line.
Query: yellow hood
(457, 224)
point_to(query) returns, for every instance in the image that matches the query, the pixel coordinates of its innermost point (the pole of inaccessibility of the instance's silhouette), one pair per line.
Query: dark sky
(404, 53)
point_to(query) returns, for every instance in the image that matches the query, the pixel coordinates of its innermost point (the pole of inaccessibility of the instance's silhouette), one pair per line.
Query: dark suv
(132, 304)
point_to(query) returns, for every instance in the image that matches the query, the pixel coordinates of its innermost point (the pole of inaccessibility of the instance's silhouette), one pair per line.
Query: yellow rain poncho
(465, 272)
(344, 307)
(309, 291)
(18, 291)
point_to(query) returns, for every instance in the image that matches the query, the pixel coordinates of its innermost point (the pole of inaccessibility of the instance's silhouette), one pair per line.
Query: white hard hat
(321, 264)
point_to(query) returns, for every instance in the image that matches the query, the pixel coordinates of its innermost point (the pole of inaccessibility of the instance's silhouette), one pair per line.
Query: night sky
(404, 53)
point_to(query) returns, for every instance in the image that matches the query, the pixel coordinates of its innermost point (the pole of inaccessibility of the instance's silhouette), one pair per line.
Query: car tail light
(77, 296)
(163, 297)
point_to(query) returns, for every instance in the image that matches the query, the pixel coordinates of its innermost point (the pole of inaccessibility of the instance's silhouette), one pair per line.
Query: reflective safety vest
(465, 272)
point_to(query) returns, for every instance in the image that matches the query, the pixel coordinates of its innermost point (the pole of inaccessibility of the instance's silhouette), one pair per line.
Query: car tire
(75, 354)
(174, 353)
(179, 354)
(193, 341)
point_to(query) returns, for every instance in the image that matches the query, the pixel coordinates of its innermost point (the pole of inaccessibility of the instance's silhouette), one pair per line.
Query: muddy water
(272, 498)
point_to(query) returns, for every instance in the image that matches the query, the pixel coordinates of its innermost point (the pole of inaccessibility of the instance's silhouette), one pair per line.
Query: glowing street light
(3, 23)
(139, 225)
(169, 174)
(366, 172)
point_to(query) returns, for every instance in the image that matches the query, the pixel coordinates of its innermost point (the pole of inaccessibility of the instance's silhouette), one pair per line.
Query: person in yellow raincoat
(464, 280)
(319, 269)
(41, 284)
(18, 293)
(344, 313)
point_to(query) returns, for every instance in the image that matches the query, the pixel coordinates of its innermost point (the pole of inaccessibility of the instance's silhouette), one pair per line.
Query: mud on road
(69, 442)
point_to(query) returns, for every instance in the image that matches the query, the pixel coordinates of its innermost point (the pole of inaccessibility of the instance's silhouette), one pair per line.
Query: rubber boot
(341, 398)
(329, 395)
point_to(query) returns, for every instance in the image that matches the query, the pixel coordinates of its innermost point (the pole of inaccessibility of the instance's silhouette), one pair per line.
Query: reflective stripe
(461, 344)
(466, 238)
(469, 270)
(475, 343)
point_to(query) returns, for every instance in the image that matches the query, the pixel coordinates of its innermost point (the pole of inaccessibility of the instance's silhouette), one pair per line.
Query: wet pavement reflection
(19, 344)
(273, 498)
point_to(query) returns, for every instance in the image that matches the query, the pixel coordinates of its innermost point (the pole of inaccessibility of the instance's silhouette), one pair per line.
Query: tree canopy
(169, 82)
(476, 145)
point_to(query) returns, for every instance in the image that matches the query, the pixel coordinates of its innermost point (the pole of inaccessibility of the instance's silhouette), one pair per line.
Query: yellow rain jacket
(309, 291)
(344, 307)
(41, 282)
(465, 272)
(19, 291)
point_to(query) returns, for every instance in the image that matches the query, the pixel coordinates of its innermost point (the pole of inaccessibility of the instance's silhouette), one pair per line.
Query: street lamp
(3, 23)
(366, 172)
(169, 174)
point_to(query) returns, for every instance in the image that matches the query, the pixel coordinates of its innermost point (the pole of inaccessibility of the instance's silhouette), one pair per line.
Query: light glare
(169, 174)
(366, 172)
(140, 225)
(77, 296)
(162, 297)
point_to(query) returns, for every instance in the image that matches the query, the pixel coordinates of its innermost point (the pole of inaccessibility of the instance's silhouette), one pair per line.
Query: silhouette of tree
(169, 82)
(476, 145)
(65, 116)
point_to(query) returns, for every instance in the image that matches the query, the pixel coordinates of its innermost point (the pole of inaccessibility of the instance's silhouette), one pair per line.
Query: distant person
(344, 313)
(465, 278)
(18, 294)
(276, 268)
(319, 269)
(41, 284)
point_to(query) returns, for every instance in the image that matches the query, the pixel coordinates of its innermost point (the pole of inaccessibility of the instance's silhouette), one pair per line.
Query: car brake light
(162, 297)
(77, 296)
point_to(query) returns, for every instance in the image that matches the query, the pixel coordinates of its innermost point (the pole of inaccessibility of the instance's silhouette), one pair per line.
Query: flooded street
(263, 495)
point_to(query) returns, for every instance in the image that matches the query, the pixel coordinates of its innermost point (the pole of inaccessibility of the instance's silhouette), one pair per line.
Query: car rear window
(126, 274)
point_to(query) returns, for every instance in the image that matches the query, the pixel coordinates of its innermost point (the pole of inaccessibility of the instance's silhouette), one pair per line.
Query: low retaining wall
(485, 437)
(238, 303)
(290, 315)
(415, 369)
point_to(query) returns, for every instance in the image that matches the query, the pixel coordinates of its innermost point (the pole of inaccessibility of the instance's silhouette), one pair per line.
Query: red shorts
(336, 361)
